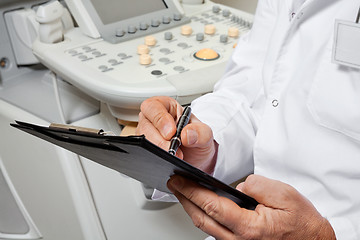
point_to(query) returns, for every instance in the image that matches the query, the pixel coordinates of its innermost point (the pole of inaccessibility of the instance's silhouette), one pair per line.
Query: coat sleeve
(231, 110)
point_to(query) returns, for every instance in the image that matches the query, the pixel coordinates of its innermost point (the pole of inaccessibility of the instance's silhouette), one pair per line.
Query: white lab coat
(285, 111)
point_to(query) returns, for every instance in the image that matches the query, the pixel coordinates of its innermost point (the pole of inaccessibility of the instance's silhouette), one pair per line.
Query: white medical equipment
(49, 193)
(123, 61)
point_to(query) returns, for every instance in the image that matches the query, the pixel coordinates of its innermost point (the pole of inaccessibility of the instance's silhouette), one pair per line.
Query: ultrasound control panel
(183, 62)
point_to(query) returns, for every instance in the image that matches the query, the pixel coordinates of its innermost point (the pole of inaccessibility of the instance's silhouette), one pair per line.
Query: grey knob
(144, 26)
(223, 38)
(199, 37)
(168, 35)
(155, 23)
(216, 9)
(234, 18)
(177, 17)
(120, 32)
(166, 19)
(226, 13)
(132, 29)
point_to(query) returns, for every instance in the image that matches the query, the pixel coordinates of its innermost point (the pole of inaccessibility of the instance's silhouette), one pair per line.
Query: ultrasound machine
(91, 63)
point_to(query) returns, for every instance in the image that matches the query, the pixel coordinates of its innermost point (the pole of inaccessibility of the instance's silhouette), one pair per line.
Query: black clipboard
(133, 156)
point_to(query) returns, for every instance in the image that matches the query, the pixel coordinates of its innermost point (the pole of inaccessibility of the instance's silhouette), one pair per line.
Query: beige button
(186, 30)
(210, 29)
(150, 41)
(145, 59)
(233, 32)
(206, 54)
(142, 49)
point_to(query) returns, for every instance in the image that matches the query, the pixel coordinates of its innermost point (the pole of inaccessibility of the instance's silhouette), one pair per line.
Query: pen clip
(71, 128)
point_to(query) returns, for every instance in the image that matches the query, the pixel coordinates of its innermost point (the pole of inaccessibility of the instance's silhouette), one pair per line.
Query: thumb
(271, 193)
(197, 134)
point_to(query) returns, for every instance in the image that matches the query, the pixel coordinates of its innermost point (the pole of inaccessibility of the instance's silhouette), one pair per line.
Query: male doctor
(285, 112)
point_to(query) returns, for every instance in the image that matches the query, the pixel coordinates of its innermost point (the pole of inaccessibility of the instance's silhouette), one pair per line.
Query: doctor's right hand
(157, 121)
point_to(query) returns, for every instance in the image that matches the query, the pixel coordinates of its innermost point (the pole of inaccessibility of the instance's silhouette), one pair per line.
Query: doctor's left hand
(282, 213)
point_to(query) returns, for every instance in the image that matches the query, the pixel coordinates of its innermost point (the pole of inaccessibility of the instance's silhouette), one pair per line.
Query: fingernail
(176, 182)
(240, 186)
(192, 136)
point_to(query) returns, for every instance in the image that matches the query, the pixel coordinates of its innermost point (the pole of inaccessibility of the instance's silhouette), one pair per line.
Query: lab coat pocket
(334, 99)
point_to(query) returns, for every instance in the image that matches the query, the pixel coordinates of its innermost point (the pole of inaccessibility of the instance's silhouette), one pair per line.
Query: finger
(221, 209)
(162, 112)
(153, 135)
(202, 221)
(197, 134)
(270, 193)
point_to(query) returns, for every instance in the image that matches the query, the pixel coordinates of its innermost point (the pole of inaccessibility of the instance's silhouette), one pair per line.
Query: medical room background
(91, 63)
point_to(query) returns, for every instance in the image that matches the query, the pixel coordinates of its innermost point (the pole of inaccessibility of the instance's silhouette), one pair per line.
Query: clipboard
(133, 156)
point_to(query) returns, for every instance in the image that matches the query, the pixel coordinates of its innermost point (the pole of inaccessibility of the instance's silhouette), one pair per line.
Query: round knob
(132, 29)
(226, 12)
(223, 38)
(166, 19)
(168, 35)
(206, 54)
(199, 37)
(145, 59)
(216, 9)
(150, 40)
(155, 23)
(142, 49)
(144, 26)
(186, 30)
(177, 17)
(210, 29)
(233, 32)
(120, 33)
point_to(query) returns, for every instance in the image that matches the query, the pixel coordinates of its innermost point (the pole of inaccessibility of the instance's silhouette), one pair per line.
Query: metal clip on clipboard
(77, 129)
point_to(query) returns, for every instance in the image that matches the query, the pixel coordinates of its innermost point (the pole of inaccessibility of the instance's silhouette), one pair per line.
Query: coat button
(275, 103)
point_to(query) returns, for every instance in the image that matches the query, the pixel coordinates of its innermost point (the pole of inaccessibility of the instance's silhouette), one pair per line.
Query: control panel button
(168, 35)
(156, 72)
(144, 26)
(83, 57)
(165, 50)
(206, 54)
(226, 13)
(145, 59)
(155, 23)
(183, 45)
(223, 38)
(122, 55)
(186, 30)
(177, 17)
(216, 9)
(166, 19)
(233, 32)
(210, 29)
(73, 52)
(179, 68)
(200, 37)
(150, 41)
(142, 49)
(164, 60)
(132, 29)
(120, 32)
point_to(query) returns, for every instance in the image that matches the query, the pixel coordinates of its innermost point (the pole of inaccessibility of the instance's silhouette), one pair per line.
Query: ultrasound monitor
(119, 20)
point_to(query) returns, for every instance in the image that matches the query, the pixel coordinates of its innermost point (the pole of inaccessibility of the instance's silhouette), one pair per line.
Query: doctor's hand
(157, 121)
(282, 213)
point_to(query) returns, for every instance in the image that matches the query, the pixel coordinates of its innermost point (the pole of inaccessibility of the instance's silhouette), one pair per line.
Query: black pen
(176, 139)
